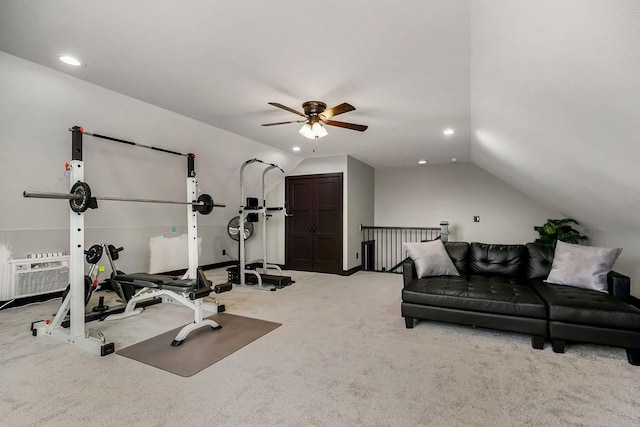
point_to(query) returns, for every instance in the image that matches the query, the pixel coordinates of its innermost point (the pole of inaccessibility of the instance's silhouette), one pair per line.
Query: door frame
(340, 175)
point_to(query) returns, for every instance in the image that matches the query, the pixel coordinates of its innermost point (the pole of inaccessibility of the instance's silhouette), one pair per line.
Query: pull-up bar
(254, 160)
(136, 144)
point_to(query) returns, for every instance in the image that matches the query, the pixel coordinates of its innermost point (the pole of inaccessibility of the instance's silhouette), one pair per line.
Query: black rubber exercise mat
(202, 348)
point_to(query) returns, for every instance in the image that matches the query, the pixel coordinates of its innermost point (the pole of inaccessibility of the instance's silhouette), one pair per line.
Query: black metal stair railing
(382, 248)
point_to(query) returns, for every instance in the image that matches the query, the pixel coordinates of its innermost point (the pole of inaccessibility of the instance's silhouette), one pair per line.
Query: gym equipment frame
(278, 281)
(80, 200)
(92, 257)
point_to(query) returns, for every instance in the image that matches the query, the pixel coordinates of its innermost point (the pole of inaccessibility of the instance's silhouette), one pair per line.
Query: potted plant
(559, 229)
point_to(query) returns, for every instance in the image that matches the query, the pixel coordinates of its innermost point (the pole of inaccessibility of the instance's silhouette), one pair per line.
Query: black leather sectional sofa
(503, 287)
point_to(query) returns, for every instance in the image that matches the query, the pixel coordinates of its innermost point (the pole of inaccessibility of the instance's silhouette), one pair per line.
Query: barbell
(80, 199)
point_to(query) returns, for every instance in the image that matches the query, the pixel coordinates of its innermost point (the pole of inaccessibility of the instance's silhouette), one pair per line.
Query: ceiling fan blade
(351, 126)
(338, 109)
(284, 107)
(284, 123)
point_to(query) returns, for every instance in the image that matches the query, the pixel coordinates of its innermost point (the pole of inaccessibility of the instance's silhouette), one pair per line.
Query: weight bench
(188, 292)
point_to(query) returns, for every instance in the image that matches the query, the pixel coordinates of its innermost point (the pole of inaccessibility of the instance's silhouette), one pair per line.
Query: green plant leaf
(559, 230)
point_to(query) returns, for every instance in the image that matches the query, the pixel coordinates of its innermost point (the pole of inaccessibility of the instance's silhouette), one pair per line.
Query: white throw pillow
(582, 266)
(431, 259)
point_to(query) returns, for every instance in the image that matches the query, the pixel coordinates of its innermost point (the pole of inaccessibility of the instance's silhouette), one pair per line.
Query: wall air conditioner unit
(27, 277)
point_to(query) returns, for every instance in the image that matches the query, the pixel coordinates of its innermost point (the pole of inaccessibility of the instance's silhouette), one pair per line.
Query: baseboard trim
(19, 302)
(351, 271)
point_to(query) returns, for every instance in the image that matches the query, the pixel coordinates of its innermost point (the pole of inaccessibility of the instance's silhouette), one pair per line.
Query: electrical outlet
(224, 252)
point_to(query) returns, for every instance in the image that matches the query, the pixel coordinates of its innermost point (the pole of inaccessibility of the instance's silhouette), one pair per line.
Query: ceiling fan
(316, 115)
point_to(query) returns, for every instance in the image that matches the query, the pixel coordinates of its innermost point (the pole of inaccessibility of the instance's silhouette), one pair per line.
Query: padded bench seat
(158, 281)
(188, 292)
(489, 294)
(586, 307)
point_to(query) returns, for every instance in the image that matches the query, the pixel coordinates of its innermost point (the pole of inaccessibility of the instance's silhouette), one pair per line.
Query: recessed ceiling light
(70, 60)
(422, 162)
(296, 148)
(448, 132)
(454, 159)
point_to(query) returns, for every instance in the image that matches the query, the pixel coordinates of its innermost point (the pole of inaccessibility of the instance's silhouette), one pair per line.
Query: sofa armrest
(619, 285)
(408, 271)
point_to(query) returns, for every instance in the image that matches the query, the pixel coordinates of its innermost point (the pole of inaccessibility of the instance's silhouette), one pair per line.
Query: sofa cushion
(539, 261)
(431, 259)
(458, 252)
(489, 294)
(504, 260)
(582, 266)
(587, 307)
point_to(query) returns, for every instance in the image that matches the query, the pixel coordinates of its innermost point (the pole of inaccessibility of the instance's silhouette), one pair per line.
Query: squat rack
(80, 200)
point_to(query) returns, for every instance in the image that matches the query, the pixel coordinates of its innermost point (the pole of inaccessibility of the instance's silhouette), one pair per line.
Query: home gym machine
(190, 291)
(250, 212)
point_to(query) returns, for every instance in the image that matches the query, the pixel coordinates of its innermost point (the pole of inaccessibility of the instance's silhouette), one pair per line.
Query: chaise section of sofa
(491, 292)
(582, 315)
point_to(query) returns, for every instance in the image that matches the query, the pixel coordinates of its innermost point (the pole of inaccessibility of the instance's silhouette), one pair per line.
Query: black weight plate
(93, 255)
(207, 204)
(81, 189)
(88, 290)
(114, 252)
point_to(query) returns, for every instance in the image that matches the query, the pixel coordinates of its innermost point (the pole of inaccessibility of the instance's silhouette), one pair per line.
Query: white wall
(37, 107)
(360, 188)
(422, 196)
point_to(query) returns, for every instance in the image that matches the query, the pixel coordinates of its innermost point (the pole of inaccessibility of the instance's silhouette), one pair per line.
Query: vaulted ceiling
(405, 69)
(544, 94)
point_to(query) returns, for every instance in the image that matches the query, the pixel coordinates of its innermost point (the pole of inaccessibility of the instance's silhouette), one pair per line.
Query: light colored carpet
(341, 357)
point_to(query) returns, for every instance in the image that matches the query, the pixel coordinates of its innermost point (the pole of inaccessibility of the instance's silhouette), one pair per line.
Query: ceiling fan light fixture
(313, 131)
